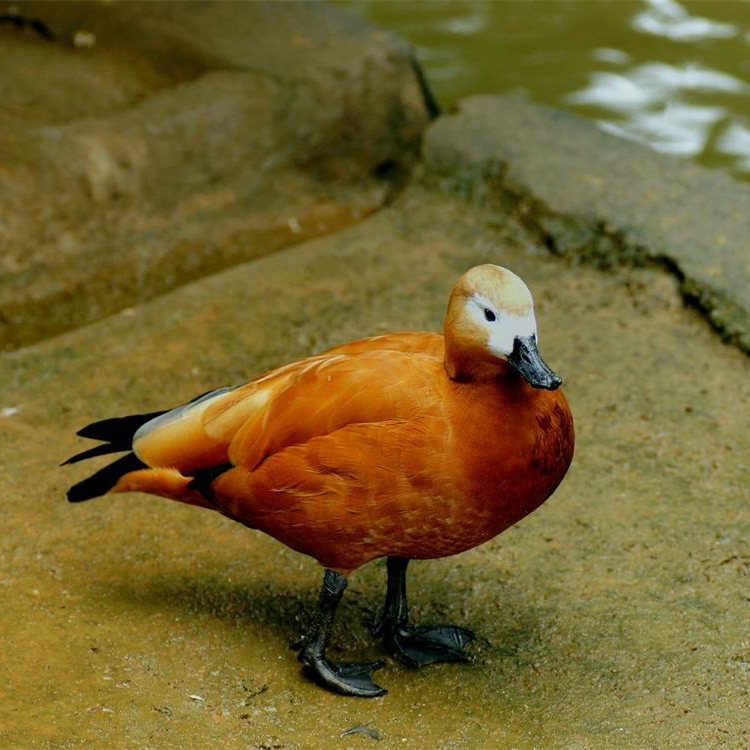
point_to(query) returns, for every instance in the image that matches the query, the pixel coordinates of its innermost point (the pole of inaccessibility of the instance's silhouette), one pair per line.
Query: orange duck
(408, 445)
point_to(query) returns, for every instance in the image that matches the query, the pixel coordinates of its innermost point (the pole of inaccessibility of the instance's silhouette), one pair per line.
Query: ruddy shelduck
(408, 445)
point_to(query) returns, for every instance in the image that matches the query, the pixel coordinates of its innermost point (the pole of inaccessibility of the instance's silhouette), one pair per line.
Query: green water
(672, 75)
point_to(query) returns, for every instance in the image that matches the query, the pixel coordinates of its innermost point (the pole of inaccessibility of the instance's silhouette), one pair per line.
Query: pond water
(675, 76)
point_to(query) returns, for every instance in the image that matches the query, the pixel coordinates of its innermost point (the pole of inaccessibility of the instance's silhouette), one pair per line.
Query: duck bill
(528, 363)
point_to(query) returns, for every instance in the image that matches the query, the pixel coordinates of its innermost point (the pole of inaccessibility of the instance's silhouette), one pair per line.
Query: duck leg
(416, 645)
(347, 678)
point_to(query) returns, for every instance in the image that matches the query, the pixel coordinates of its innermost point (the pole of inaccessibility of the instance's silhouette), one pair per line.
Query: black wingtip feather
(104, 479)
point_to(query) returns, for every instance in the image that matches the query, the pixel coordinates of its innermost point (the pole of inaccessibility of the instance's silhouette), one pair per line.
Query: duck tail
(101, 482)
(117, 436)
(116, 433)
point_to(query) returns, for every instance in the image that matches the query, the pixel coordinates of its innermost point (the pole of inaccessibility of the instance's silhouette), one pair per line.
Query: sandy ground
(616, 616)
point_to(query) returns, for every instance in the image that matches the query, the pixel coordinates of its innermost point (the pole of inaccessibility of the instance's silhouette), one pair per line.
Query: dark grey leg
(416, 645)
(349, 679)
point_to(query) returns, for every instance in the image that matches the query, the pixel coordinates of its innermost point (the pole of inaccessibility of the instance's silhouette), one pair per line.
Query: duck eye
(489, 315)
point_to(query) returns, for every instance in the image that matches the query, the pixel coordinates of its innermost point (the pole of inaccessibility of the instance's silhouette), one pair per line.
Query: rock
(601, 618)
(585, 193)
(145, 146)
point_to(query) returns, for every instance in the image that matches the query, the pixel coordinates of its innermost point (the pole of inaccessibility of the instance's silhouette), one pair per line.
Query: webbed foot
(418, 645)
(347, 678)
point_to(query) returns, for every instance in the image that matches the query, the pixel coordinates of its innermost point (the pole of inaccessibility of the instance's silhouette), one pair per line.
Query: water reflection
(669, 19)
(654, 102)
(650, 103)
(669, 74)
(735, 140)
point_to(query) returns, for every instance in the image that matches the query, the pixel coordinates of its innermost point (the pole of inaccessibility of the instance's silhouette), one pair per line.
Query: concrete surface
(614, 617)
(585, 193)
(143, 146)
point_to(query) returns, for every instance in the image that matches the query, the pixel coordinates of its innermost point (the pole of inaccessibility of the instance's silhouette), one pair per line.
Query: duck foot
(420, 645)
(347, 678)
(416, 645)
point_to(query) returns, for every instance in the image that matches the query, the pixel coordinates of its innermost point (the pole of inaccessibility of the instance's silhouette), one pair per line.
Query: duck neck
(466, 365)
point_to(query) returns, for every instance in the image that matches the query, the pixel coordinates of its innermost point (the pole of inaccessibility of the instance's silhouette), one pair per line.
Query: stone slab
(615, 616)
(145, 145)
(589, 194)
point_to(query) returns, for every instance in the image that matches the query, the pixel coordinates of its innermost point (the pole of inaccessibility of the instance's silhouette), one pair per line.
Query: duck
(404, 446)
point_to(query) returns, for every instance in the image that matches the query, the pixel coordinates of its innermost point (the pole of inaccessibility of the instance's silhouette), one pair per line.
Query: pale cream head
(489, 307)
(490, 329)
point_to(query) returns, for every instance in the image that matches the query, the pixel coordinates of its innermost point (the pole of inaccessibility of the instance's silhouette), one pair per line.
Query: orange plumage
(410, 445)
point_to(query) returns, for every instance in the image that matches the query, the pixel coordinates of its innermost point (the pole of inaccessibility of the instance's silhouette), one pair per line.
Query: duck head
(490, 325)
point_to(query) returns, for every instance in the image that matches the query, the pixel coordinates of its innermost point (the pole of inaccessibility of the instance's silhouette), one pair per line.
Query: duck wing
(329, 394)
(405, 341)
(290, 405)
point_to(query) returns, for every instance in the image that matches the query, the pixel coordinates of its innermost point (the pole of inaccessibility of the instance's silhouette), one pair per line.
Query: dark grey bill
(527, 361)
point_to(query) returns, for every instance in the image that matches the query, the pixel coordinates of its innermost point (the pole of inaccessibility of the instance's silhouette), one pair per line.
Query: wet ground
(615, 616)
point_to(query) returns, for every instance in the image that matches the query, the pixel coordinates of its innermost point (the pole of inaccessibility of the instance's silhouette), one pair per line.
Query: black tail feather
(117, 434)
(97, 450)
(118, 431)
(104, 479)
